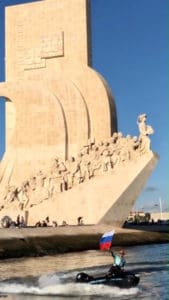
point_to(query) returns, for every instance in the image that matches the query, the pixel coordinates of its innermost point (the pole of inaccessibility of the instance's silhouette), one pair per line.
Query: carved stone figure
(55, 181)
(133, 147)
(114, 138)
(120, 141)
(11, 194)
(85, 165)
(23, 194)
(40, 178)
(145, 130)
(95, 159)
(63, 178)
(124, 155)
(73, 168)
(115, 158)
(106, 160)
(32, 183)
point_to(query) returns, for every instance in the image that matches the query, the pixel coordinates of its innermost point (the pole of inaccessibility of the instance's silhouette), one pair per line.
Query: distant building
(140, 216)
(160, 216)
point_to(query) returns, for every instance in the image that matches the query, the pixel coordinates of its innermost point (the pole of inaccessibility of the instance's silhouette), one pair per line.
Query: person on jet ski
(119, 262)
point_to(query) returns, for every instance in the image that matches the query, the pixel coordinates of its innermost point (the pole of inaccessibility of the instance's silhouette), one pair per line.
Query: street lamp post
(160, 205)
(161, 211)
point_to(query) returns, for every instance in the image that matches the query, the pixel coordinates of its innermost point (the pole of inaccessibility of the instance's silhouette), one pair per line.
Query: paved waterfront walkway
(19, 242)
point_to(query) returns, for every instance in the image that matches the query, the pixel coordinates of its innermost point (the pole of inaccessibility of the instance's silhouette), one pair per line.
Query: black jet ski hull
(125, 280)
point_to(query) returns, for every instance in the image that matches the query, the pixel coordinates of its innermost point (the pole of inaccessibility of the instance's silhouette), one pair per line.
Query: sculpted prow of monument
(64, 156)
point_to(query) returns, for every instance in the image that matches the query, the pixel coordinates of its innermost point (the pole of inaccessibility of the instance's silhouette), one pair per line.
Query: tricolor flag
(106, 240)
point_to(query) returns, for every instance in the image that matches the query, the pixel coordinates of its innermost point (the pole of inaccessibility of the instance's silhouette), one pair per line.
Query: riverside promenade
(32, 241)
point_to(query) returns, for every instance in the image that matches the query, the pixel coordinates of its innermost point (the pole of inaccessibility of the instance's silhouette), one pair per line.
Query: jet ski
(122, 280)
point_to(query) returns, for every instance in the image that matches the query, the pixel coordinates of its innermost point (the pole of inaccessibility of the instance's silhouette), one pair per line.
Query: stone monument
(64, 157)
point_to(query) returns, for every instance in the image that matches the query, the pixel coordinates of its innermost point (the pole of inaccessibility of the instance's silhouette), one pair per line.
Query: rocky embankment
(20, 242)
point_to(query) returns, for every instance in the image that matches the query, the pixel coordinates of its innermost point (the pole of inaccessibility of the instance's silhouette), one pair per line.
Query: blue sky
(130, 49)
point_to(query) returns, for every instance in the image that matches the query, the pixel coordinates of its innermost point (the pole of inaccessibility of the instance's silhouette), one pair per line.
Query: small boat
(122, 280)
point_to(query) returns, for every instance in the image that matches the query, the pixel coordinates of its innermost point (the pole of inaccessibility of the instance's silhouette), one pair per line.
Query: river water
(52, 277)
